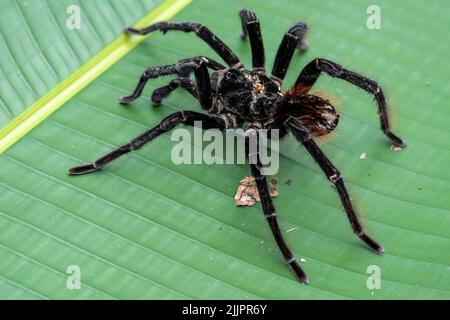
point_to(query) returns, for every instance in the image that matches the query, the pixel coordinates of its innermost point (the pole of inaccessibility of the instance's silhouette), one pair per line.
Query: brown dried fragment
(274, 182)
(247, 193)
(273, 188)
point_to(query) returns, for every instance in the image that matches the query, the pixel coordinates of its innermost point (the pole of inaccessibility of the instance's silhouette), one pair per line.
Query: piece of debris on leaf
(288, 182)
(363, 156)
(274, 182)
(247, 193)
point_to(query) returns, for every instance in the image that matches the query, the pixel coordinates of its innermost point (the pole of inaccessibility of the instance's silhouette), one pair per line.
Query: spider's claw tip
(398, 146)
(380, 251)
(129, 30)
(375, 247)
(372, 244)
(304, 280)
(298, 272)
(82, 169)
(155, 100)
(125, 100)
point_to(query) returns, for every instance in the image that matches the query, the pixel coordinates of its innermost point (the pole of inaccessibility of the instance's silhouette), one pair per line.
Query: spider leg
(183, 68)
(163, 92)
(270, 213)
(293, 39)
(252, 29)
(167, 124)
(312, 71)
(334, 175)
(200, 30)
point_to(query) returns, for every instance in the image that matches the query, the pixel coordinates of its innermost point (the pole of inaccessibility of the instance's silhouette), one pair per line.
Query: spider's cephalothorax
(249, 95)
(254, 100)
(235, 97)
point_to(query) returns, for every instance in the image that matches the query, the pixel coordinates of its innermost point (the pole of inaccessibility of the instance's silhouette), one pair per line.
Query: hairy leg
(200, 30)
(293, 39)
(183, 68)
(268, 208)
(334, 176)
(252, 30)
(167, 124)
(309, 75)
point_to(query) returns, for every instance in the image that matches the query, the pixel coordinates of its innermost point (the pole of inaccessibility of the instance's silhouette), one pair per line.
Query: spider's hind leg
(294, 38)
(252, 30)
(269, 210)
(167, 124)
(311, 72)
(333, 174)
(271, 217)
(200, 30)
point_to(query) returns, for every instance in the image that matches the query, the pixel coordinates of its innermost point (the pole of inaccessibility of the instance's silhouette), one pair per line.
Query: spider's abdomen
(249, 95)
(315, 113)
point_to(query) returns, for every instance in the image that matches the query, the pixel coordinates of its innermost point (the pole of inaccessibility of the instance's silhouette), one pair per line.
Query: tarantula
(235, 97)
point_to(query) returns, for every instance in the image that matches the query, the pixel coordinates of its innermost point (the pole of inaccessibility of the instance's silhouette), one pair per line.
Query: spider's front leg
(252, 29)
(293, 39)
(200, 30)
(334, 176)
(309, 75)
(270, 213)
(167, 124)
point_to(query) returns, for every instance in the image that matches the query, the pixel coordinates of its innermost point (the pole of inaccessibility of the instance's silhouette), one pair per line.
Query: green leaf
(38, 49)
(147, 228)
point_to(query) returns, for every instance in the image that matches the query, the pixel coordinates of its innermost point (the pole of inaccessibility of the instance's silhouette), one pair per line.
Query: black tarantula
(235, 97)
